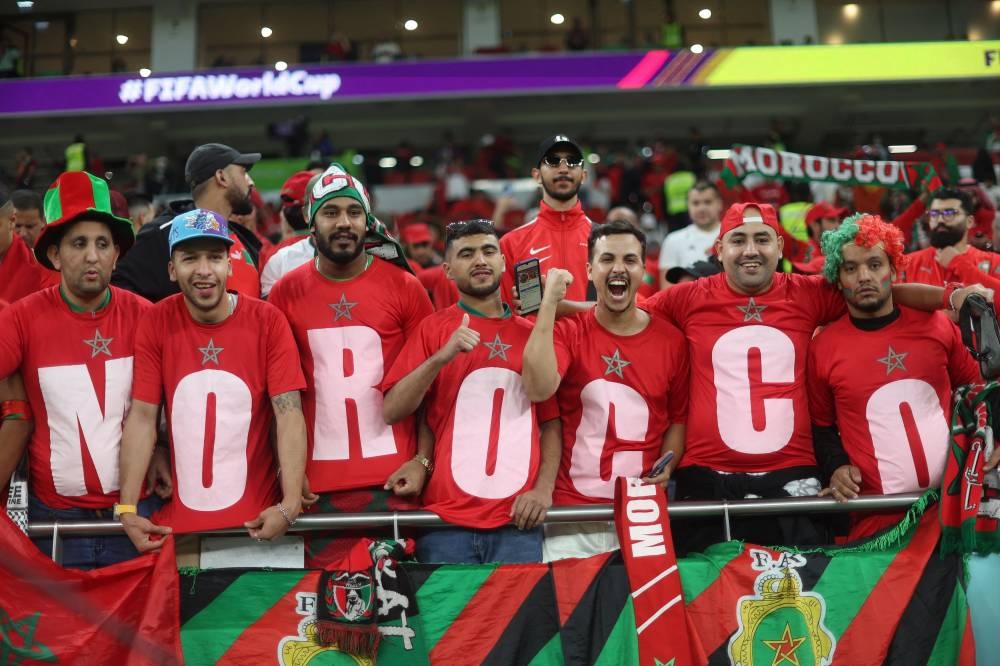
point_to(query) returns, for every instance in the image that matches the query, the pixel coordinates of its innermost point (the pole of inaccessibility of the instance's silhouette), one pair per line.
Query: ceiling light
(717, 154)
(387, 162)
(593, 158)
(358, 159)
(411, 25)
(266, 32)
(851, 11)
(557, 19)
(281, 65)
(903, 149)
(697, 48)
(416, 161)
(705, 14)
(122, 39)
(145, 72)
(25, 4)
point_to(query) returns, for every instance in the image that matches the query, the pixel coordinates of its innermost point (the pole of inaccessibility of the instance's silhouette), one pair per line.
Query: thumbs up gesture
(463, 340)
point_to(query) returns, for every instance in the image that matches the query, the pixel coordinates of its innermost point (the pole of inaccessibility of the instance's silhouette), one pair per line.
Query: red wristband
(15, 410)
(949, 289)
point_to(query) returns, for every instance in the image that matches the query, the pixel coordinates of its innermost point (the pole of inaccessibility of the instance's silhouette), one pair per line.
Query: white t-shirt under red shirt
(77, 372)
(217, 381)
(349, 333)
(749, 409)
(617, 397)
(486, 449)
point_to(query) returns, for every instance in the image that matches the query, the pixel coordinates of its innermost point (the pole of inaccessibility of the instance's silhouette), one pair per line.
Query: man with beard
(350, 313)
(558, 236)
(748, 330)
(622, 380)
(880, 377)
(73, 346)
(694, 242)
(951, 258)
(495, 453)
(220, 182)
(223, 365)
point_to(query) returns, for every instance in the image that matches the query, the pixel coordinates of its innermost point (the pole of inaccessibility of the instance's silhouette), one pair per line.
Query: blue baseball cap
(198, 223)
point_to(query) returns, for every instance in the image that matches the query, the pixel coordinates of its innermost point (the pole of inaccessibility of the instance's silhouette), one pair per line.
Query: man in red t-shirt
(622, 379)
(222, 364)
(73, 347)
(20, 273)
(951, 258)
(558, 236)
(748, 428)
(350, 313)
(495, 455)
(880, 377)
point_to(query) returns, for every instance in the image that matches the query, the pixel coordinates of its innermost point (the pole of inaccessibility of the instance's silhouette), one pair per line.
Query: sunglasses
(554, 161)
(945, 214)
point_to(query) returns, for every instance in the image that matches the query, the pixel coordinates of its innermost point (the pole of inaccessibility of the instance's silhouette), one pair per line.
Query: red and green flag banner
(784, 165)
(894, 600)
(127, 613)
(970, 497)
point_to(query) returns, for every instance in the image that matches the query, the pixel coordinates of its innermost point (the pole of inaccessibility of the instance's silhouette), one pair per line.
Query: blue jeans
(456, 545)
(86, 552)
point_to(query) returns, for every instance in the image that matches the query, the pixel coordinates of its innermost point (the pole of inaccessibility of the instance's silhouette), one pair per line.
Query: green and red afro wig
(864, 231)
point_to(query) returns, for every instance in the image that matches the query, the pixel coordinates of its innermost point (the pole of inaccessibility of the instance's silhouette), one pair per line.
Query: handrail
(559, 514)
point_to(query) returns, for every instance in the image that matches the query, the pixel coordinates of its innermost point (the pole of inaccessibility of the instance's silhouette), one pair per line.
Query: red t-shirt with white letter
(217, 381)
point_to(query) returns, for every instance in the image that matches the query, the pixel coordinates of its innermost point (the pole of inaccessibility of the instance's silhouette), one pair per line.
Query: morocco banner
(781, 164)
(899, 604)
(126, 613)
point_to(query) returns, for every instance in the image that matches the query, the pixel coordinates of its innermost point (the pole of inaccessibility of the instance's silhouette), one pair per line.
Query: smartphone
(660, 465)
(529, 285)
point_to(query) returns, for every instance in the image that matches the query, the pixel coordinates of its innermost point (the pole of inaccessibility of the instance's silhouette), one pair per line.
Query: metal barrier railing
(559, 514)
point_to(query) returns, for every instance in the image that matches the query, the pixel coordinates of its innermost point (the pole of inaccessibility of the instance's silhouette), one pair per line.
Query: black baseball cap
(698, 269)
(208, 158)
(553, 141)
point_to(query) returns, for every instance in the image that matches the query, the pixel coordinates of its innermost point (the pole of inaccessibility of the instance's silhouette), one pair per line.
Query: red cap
(293, 192)
(823, 210)
(414, 233)
(742, 213)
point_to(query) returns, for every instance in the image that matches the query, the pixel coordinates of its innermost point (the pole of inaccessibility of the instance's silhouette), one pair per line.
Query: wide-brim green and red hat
(77, 195)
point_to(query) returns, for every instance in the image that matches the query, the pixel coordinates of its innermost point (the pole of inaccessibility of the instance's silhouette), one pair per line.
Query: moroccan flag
(970, 502)
(126, 613)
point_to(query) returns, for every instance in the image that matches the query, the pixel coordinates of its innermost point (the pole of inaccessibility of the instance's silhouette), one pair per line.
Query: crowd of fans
(392, 365)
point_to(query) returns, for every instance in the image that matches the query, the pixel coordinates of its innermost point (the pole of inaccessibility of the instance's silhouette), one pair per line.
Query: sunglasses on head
(554, 161)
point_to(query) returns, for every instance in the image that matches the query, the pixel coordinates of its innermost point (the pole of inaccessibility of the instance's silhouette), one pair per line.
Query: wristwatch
(427, 464)
(121, 509)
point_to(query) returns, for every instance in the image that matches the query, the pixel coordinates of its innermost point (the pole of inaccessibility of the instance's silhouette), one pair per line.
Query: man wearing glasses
(558, 236)
(951, 258)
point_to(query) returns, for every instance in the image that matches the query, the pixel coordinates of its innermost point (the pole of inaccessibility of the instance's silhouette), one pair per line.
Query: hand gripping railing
(559, 514)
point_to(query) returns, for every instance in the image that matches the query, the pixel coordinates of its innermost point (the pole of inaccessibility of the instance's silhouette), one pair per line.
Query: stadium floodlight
(697, 48)
(705, 13)
(122, 39)
(557, 19)
(266, 32)
(144, 72)
(411, 25)
(281, 65)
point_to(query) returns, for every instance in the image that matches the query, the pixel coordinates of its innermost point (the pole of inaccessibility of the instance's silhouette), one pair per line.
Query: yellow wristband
(121, 509)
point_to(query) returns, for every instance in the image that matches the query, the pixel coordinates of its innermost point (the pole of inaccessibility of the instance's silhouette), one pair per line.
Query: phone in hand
(529, 285)
(660, 465)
